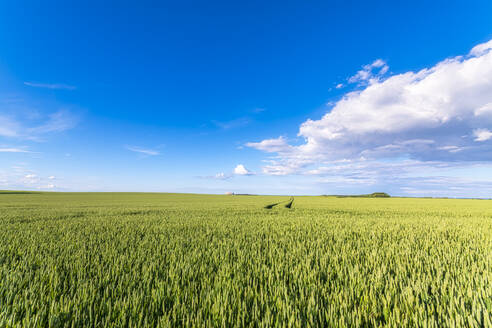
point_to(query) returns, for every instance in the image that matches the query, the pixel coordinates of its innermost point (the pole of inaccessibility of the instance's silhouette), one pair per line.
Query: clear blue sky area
(179, 95)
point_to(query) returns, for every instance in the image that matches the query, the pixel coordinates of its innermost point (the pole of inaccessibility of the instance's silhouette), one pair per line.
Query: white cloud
(222, 176)
(339, 86)
(50, 85)
(481, 49)
(279, 169)
(241, 170)
(238, 170)
(436, 115)
(370, 73)
(482, 134)
(21, 177)
(277, 145)
(31, 180)
(218, 176)
(13, 150)
(12, 127)
(484, 110)
(57, 122)
(9, 127)
(150, 152)
(451, 149)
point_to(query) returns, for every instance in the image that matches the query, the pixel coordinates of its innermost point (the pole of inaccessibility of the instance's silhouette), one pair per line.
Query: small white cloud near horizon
(53, 86)
(21, 177)
(241, 170)
(31, 179)
(48, 186)
(150, 152)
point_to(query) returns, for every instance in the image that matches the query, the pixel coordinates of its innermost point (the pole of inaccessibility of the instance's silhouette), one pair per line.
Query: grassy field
(172, 260)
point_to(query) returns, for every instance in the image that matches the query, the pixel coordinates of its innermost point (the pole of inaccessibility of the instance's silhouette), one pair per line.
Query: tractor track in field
(287, 205)
(270, 206)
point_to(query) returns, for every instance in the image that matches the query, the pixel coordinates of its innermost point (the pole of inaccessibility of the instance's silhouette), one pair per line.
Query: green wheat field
(182, 260)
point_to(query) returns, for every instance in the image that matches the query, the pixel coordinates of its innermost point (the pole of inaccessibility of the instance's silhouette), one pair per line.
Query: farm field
(183, 260)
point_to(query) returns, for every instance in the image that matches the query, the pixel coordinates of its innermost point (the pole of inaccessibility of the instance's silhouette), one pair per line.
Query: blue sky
(260, 97)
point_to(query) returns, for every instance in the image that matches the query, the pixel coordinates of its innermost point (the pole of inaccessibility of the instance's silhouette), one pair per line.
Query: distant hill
(373, 195)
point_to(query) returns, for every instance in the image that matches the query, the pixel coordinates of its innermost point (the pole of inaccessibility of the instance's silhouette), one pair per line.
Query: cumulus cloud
(241, 170)
(441, 114)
